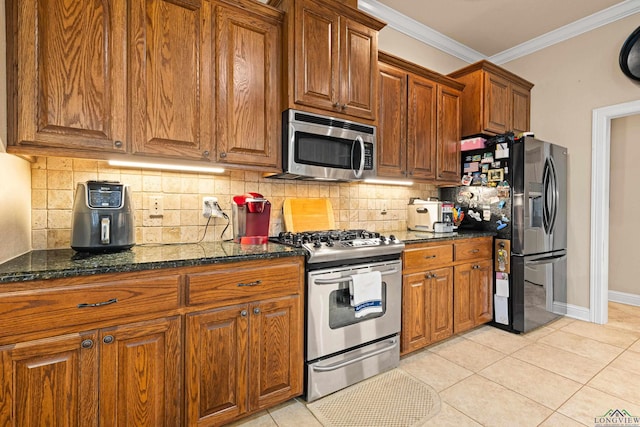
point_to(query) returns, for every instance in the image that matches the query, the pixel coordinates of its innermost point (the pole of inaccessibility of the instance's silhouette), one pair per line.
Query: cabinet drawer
(426, 258)
(241, 283)
(61, 306)
(473, 249)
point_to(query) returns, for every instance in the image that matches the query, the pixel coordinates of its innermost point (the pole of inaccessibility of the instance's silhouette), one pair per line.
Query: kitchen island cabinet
(134, 348)
(447, 289)
(146, 80)
(494, 100)
(331, 58)
(418, 123)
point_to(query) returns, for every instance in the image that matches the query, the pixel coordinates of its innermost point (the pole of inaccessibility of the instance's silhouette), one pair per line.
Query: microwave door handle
(360, 141)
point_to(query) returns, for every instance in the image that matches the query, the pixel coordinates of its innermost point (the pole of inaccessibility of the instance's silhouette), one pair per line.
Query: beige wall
(54, 180)
(624, 233)
(571, 79)
(15, 209)
(399, 44)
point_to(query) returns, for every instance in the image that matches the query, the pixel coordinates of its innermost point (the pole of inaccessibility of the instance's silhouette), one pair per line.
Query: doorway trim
(600, 173)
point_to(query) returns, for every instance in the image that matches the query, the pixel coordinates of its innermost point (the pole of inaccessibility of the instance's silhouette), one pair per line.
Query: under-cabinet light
(387, 181)
(165, 166)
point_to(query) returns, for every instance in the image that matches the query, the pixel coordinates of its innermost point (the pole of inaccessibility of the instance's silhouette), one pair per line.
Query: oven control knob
(317, 244)
(393, 239)
(330, 243)
(383, 240)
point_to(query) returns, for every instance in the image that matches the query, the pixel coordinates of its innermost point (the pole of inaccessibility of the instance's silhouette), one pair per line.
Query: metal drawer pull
(98, 304)
(243, 313)
(86, 344)
(430, 256)
(393, 343)
(256, 283)
(256, 310)
(348, 278)
(108, 339)
(475, 251)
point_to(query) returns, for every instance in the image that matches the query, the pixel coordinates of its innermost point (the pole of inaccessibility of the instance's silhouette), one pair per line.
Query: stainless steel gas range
(348, 337)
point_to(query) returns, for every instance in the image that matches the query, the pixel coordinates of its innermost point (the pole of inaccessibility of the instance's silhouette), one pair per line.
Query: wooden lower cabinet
(428, 308)
(125, 375)
(473, 295)
(191, 346)
(447, 289)
(242, 359)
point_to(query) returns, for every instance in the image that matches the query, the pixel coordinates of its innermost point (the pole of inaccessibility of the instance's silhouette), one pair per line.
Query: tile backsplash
(53, 181)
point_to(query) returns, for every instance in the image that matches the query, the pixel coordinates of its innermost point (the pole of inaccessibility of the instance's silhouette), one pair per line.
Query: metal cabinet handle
(434, 275)
(205, 153)
(256, 310)
(475, 267)
(117, 144)
(243, 313)
(255, 283)
(475, 251)
(98, 304)
(86, 344)
(430, 256)
(336, 104)
(108, 339)
(223, 154)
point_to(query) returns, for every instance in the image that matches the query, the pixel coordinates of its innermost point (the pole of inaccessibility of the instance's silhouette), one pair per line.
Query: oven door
(332, 325)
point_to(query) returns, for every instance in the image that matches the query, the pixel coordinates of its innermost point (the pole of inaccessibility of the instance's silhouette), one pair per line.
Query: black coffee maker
(102, 217)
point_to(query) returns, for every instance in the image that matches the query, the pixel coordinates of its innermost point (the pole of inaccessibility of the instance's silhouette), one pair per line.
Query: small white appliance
(430, 215)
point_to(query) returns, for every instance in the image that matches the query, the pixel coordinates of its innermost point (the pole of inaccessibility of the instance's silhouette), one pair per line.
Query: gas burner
(331, 245)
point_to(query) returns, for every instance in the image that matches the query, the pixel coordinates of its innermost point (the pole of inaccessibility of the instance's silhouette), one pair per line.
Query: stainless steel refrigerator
(518, 190)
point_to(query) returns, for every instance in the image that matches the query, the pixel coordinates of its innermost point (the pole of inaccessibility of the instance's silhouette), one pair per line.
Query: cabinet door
(421, 132)
(496, 104)
(72, 70)
(276, 351)
(216, 365)
(248, 97)
(520, 109)
(392, 125)
(482, 279)
(316, 55)
(171, 78)
(53, 381)
(441, 304)
(448, 167)
(358, 69)
(463, 308)
(416, 322)
(140, 374)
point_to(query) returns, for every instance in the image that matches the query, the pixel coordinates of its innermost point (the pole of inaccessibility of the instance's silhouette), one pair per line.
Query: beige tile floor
(564, 374)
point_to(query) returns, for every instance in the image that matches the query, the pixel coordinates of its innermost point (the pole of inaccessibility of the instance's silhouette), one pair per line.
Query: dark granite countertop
(60, 263)
(409, 237)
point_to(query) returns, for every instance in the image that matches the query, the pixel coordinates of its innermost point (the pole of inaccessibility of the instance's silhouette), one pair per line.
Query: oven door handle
(393, 343)
(348, 278)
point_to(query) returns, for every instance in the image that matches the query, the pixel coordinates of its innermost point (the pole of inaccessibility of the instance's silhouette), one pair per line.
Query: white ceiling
(498, 30)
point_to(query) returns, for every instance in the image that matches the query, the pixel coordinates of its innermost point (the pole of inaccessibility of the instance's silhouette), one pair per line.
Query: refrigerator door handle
(546, 260)
(550, 188)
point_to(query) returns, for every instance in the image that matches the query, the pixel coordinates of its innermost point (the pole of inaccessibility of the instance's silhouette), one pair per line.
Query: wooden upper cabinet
(494, 100)
(66, 69)
(418, 122)
(448, 163)
(248, 97)
(171, 84)
(392, 120)
(332, 61)
(421, 128)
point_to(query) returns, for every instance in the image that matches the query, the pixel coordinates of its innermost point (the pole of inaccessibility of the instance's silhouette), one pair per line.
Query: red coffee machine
(250, 215)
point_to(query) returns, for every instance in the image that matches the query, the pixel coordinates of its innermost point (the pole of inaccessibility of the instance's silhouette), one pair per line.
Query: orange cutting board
(308, 214)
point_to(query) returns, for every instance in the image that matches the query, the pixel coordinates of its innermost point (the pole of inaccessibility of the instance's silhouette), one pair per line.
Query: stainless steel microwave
(322, 147)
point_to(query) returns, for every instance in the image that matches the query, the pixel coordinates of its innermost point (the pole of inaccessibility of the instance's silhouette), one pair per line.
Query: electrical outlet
(211, 208)
(156, 208)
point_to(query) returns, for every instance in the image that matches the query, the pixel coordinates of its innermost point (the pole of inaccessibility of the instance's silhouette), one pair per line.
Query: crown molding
(429, 36)
(581, 26)
(419, 31)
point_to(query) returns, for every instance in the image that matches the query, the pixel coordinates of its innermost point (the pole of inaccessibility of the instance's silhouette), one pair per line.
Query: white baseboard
(624, 298)
(573, 311)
